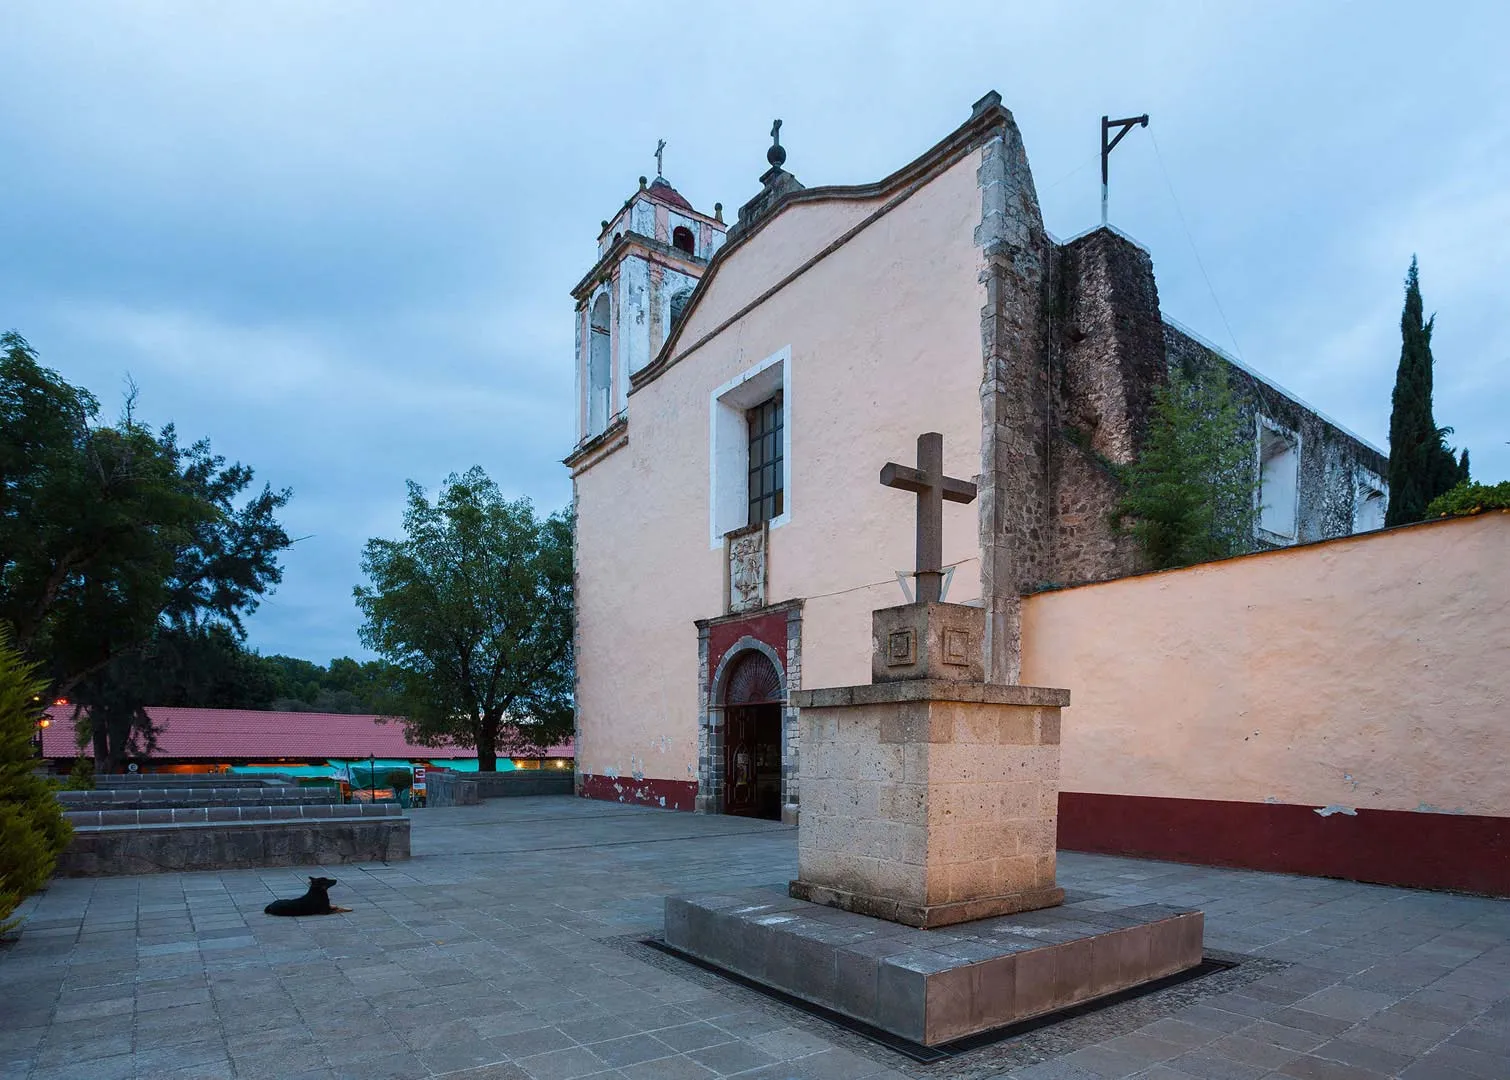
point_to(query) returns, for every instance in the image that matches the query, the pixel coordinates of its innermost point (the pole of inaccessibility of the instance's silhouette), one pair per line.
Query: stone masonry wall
(1079, 406)
(1109, 361)
(1013, 487)
(1333, 464)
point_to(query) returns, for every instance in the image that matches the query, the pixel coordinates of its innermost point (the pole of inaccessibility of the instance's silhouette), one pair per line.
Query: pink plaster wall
(885, 342)
(1369, 672)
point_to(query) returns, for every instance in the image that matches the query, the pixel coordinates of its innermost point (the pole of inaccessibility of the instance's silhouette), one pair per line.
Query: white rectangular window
(1370, 500)
(1278, 480)
(750, 449)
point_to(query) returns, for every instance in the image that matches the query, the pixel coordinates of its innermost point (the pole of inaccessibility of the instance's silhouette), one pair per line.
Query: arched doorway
(752, 737)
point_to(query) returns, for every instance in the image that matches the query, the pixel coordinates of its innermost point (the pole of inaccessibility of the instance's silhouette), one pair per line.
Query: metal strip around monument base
(928, 1054)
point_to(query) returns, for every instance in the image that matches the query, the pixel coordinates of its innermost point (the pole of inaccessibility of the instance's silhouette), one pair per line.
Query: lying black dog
(314, 902)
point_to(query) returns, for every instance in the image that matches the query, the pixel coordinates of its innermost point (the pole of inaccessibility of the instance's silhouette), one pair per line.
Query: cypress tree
(1190, 493)
(1421, 466)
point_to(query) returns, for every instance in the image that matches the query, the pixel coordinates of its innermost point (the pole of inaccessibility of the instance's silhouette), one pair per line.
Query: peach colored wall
(1368, 672)
(783, 244)
(885, 344)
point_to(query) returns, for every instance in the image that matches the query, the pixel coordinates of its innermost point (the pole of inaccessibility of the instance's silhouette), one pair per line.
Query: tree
(33, 831)
(473, 609)
(1190, 493)
(343, 686)
(111, 534)
(1421, 466)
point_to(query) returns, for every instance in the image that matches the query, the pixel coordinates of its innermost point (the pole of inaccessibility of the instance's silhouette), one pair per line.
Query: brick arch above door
(776, 632)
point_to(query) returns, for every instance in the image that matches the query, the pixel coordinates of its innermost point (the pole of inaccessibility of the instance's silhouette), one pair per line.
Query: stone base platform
(934, 986)
(927, 916)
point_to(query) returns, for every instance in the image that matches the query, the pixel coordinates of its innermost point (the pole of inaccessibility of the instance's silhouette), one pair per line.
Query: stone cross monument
(930, 797)
(932, 488)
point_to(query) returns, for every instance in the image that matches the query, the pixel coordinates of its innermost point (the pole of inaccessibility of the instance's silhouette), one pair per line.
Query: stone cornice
(930, 690)
(675, 258)
(595, 449)
(783, 607)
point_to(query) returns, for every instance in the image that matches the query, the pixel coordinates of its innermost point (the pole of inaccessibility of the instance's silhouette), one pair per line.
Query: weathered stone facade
(1073, 349)
(1336, 467)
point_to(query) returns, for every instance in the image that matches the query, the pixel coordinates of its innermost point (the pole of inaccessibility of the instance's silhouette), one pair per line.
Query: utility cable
(1180, 213)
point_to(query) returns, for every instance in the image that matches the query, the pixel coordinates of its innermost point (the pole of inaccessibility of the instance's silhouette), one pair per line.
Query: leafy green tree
(110, 534)
(1421, 466)
(1190, 493)
(343, 686)
(33, 831)
(473, 610)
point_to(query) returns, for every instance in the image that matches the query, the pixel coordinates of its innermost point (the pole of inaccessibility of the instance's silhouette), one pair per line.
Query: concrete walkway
(508, 948)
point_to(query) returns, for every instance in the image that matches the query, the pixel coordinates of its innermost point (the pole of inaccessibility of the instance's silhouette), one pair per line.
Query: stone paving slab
(505, 949)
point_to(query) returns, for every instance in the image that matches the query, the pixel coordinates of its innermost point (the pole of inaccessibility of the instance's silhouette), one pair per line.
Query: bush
(81, 776)
(33, 831)
(400, 779)
(1470, 498)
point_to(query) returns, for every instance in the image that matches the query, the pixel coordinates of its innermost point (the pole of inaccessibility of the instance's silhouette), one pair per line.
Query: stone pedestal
(927, 641)
(929, 802)
(930, 799)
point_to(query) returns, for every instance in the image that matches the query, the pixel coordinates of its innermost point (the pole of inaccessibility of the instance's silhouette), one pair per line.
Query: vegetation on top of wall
(1190, 494)
(33, 831)
(1470, 498)
(1421, 465)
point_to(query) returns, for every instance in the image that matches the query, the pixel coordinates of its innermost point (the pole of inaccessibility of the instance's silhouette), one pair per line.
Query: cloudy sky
(337, 237)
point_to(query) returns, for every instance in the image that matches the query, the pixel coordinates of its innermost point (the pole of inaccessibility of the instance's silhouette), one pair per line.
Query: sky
(338, 238)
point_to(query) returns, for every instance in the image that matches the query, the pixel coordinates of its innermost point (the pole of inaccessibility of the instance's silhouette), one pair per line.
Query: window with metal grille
(766, 482)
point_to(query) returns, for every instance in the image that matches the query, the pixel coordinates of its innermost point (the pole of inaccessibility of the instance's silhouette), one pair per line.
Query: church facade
(740, 388)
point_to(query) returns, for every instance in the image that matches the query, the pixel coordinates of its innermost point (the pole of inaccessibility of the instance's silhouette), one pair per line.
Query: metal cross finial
(932, 488)
(659, 147)
(776, 155)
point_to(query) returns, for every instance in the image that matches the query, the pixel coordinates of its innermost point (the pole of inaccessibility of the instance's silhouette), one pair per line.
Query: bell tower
(650, 257)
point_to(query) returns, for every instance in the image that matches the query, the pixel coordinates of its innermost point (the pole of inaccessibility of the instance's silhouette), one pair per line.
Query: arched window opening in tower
(598, 368)
(682, 240)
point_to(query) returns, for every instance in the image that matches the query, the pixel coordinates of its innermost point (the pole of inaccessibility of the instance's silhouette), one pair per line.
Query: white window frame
(729, 444)
(1369, 485)
(1265, 425)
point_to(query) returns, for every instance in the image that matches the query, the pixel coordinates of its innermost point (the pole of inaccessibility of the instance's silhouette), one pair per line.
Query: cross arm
(960, 491)
(903, 476)
(909, 479)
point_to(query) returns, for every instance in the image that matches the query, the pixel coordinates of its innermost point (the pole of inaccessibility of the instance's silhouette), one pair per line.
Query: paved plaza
(509, 947)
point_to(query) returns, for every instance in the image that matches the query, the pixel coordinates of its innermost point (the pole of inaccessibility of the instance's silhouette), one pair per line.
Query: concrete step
(199, 815)
(168, 798)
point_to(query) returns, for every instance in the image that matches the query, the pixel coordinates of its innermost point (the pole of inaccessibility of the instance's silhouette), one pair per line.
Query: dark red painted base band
(1389, 847)
(668, 794)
